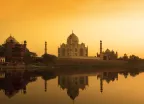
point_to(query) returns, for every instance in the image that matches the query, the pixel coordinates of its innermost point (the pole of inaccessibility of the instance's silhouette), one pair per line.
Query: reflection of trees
(132, 73)
(72, 84)
(125, 73)
(112, 76)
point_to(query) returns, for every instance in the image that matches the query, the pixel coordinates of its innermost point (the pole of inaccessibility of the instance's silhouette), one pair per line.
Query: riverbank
(81, 65)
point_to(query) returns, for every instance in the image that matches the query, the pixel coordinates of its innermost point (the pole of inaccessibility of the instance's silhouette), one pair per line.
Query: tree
(47, 58)
(125, 57)
(27, 58)
(133, 57)
(33, 54)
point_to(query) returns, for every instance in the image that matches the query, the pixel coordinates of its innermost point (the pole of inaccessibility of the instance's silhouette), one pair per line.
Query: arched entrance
(81, 52)
(63, 52)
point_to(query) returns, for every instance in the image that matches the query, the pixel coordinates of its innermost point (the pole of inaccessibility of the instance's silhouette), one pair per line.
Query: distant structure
(72, 49)
(13, 50)
(73, 83)
(107, 55)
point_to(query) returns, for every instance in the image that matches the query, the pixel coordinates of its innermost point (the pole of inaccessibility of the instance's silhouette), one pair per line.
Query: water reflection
(12, 82)
(107, 76)
(72, 84)
(47, 76)
(113, 76)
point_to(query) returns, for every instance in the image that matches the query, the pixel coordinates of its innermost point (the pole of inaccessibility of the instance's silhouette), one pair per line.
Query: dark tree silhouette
(27, 58)
(125, 57)
(49, 59)
(134, 57)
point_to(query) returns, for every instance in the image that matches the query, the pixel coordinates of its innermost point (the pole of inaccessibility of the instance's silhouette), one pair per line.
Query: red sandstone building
(13, 50)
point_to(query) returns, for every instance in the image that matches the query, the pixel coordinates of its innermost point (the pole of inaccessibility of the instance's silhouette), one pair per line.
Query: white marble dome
(72, 39)
(72, 49)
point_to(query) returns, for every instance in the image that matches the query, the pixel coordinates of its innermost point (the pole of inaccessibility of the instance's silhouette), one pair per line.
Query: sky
(118, 23)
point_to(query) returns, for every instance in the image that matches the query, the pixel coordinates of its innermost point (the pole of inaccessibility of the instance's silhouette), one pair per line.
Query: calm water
(125, 87)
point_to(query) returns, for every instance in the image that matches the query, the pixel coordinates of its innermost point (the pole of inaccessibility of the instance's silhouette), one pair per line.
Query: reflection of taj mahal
(73, 83)
(72, 49)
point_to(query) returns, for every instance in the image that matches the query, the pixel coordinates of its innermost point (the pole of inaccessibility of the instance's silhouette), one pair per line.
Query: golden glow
(119, 23)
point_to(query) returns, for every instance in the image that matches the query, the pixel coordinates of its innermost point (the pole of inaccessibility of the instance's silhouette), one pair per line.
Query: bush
(48, 58)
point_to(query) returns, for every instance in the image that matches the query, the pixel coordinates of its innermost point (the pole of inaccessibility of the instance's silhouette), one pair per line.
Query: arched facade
(72, 49)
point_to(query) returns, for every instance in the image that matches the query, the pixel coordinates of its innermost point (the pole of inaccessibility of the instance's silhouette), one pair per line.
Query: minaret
(45, 47)
(100, 47)
(25, 45)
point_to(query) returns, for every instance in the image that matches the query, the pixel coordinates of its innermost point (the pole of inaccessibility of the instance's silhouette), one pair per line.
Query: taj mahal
(73, 49)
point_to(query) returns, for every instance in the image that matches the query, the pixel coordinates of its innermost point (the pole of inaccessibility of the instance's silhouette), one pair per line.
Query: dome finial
(72, 31)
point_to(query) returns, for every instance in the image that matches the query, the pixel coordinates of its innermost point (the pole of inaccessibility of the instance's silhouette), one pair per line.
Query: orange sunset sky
(118, 23)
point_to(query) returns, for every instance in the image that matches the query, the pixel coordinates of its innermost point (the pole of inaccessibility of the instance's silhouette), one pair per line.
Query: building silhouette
(107, 55)
(72, 49)
(13, 50)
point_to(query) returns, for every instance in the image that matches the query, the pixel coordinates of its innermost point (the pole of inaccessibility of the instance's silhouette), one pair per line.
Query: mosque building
(72, 49)
(13, 50)
(107, 55)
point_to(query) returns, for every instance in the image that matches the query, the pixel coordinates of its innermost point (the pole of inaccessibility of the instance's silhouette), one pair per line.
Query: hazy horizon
(118, 23)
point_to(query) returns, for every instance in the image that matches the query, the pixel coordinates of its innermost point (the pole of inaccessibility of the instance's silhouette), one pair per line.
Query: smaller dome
(63, 45)
(82, 44)
(11, 39)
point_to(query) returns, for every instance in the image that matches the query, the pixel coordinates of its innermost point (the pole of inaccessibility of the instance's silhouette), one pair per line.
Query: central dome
(72, 39)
